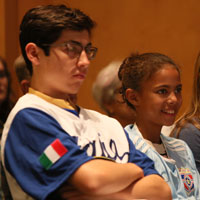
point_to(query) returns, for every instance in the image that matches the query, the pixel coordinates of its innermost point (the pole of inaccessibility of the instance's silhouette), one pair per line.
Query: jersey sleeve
(30, 137)
(140, 159)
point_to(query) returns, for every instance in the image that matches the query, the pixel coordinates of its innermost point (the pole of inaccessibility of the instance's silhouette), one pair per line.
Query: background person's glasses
(74, 49)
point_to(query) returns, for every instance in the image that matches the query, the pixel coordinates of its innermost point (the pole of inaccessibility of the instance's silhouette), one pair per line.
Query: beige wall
(9, 37)
(2, 28)
(170, 27)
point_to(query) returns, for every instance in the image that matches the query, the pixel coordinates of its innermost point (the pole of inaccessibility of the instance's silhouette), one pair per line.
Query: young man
(52, 149)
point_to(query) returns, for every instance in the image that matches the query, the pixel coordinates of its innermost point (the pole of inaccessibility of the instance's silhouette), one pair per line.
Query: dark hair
(140, 67)
(44, 25)
(7, 104)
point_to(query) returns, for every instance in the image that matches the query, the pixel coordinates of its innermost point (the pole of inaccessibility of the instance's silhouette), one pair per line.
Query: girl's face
(160, 97)
(3, 84)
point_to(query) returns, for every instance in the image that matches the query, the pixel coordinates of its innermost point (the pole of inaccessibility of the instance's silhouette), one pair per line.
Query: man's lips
(80, 76)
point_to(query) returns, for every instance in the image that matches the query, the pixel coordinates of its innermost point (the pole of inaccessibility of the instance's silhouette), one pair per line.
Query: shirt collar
(58, 102)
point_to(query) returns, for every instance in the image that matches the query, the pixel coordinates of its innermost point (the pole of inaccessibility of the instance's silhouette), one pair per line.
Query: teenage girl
(151, 85)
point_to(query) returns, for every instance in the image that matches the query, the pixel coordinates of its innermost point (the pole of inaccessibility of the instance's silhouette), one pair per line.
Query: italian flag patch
(52, 154)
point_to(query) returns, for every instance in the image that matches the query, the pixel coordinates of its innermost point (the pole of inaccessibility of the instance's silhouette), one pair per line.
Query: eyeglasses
(74, 49)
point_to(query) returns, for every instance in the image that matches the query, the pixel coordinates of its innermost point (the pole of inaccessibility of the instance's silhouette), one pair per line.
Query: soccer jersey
(45, 140)
(179, 170)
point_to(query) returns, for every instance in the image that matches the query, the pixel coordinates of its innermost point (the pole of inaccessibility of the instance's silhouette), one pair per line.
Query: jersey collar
(58, 102)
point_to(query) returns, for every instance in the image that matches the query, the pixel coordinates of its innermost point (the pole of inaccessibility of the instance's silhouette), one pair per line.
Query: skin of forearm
(102, 177)
(151, 187)
(71, 193)
(77, 195)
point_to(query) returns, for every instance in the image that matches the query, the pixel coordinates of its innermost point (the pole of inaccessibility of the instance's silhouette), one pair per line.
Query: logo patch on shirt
(52, 154)
(188, 180)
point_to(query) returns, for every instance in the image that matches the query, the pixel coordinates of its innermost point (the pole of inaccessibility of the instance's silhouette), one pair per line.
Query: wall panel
(169, 27)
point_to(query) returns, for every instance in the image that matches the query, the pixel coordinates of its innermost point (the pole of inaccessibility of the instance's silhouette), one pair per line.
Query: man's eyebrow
(76, 42)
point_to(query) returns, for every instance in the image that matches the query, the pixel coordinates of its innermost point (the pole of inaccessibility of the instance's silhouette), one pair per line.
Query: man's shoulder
(28, 100)
(95, 115)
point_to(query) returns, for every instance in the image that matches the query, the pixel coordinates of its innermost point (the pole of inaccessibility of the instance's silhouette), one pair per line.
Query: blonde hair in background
(192, 115)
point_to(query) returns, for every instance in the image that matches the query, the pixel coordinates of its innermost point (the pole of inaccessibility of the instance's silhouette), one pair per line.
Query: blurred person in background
(5, 92)
(22, 73)
(5, 106)
(187, 127)
(106, 92)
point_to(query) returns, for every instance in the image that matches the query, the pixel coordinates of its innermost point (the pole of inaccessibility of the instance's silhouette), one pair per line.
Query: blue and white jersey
(37, 123)
(179, 171)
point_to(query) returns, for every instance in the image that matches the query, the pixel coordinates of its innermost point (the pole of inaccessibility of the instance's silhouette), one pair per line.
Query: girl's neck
(150, 132)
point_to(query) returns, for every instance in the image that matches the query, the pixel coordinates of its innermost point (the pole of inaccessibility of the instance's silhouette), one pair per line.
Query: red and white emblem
(187, 178)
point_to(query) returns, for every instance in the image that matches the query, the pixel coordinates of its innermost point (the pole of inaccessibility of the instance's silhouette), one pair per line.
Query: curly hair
(140, 67)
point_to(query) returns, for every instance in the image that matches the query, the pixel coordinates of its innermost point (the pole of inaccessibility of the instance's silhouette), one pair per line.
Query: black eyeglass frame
(77, 52)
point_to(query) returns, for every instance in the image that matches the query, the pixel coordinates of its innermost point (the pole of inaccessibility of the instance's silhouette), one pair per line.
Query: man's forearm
(101, 177)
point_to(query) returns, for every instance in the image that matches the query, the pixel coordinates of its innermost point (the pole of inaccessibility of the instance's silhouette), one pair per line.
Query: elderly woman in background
(106, 92)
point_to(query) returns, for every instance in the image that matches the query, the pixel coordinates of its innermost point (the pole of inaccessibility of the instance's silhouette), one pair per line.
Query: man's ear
(132, 96)
(32, 51)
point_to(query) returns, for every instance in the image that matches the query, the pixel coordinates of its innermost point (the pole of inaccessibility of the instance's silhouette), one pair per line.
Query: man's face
(60, 72)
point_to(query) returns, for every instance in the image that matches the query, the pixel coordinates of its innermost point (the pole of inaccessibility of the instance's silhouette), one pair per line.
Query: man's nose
(83, 59)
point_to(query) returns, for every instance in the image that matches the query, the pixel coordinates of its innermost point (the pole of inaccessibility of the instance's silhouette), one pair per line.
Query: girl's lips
(169, 112)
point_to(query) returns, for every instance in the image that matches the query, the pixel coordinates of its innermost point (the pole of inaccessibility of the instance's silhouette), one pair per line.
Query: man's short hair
(21, 69)
(43, 25)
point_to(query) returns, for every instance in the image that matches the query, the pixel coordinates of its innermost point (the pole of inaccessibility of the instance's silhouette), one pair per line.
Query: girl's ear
(132, 96)
(32, 51)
